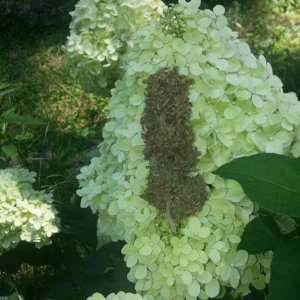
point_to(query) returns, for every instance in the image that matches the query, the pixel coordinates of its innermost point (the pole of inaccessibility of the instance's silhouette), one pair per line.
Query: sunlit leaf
(269, 179)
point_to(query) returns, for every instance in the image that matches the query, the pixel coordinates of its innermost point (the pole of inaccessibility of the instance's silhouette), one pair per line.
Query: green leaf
(10, 261)
(285, 270)
(297, 220)
(59, 288)
(5, 288)
(106, 271)
(261, 234)
(73, 263)
(8, 88)
(10, 150)
(28, 253)
(101, 271)
(81, 223)
(271, 180)
(47, 255)
(13, 118)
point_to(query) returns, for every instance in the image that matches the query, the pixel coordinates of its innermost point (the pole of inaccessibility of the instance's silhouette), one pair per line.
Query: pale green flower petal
(194, 289)
(120, 296)
(96, 296)
(219, 10)
(240, 258)
(212, 289)
(205, 277)
(296, 150)
(187, 277)
(214, 255)
(259, 283)
(257, 101)
(234, 277)
(141, 272)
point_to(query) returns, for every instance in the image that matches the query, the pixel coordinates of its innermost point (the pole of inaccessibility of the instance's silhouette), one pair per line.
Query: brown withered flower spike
(169, 147)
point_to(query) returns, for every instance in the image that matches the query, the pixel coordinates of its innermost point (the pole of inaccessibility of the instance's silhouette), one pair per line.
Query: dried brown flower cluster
(171, 186)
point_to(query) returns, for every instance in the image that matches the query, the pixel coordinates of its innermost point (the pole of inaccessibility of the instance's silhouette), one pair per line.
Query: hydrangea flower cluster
(99, 35)
(26, 214)
(238, 109)
(119, 296)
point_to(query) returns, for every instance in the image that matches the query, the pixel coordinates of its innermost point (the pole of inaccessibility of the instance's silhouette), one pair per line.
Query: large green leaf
(47, 255)
(59, 288)
(261, 234)
(102, 271)
(285, 271)
(13, 118)
(5, 288)
(271, 180)
(106, 270)
(81, 223)
(27, 253)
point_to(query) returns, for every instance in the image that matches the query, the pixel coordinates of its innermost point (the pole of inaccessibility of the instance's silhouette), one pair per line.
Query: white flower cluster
(26, 214)
(99, 35)
(238, 109)
(119, 296)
